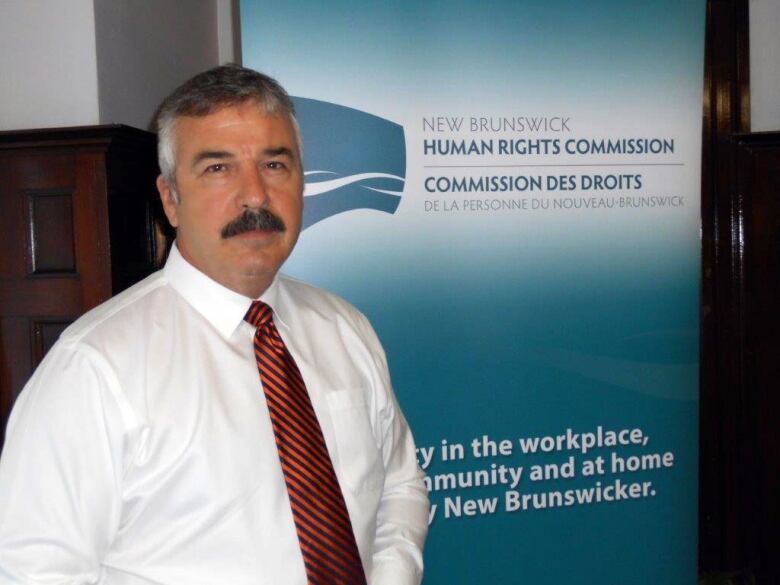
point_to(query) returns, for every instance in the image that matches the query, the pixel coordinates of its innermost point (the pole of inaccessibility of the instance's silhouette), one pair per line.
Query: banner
(510, 192)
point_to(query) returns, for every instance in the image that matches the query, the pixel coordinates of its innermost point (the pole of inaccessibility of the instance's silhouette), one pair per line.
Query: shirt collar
(222, 307)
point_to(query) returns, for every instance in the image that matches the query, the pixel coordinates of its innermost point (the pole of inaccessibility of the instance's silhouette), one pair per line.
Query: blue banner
(510, 192)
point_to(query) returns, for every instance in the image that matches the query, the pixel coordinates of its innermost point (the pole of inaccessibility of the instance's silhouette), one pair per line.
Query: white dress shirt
(141, 450)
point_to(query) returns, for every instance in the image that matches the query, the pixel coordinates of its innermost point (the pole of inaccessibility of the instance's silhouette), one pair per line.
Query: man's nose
(254, 191)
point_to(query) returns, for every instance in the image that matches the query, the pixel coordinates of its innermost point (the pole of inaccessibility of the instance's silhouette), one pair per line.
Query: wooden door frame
(725, 540)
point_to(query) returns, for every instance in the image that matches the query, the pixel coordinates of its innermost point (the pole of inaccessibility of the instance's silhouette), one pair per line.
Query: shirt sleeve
(59, 473)
(402, 518)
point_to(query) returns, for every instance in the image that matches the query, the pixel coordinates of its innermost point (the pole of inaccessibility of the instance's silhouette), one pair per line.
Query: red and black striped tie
(322, 522)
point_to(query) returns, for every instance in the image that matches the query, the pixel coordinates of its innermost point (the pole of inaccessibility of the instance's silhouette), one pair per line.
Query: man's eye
(275, 165)
(216, 168)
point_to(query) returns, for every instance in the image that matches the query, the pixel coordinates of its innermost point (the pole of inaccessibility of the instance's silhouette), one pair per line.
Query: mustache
(249, 221)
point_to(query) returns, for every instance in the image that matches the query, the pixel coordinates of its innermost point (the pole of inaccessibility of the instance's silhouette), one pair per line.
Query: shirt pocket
(359, 458)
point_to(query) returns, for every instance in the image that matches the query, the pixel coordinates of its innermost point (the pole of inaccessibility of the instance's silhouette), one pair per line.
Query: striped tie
(322, 522)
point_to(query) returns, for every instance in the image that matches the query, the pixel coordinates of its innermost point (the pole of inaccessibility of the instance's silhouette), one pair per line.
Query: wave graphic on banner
(357, 160)
(667, 381)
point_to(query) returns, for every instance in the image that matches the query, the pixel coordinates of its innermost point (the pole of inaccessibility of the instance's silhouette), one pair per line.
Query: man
(182, 433)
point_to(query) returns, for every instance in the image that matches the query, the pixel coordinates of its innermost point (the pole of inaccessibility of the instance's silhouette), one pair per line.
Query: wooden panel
(93, 249)
(52, 248)
(44, 333)
(15, 363)
(758, 194)
(41, 296)
(23, 174)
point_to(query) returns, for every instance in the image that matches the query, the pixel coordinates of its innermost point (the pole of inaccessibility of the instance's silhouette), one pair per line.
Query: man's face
(236, 161)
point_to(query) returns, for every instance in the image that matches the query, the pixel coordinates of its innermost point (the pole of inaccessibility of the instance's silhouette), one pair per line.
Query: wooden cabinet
(80, 221)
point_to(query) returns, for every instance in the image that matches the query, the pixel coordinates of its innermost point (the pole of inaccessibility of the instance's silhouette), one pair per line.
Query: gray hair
(207, 92)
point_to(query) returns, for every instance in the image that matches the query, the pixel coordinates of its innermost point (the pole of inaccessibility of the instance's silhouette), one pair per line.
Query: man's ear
(170, 206)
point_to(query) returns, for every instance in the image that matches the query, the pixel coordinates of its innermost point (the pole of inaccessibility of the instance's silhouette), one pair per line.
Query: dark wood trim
(722, 540)
(757, 192)
(76, 136)
(739, 464)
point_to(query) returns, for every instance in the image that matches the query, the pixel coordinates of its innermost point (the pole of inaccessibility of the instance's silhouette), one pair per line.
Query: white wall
(80, 62)
(229, 31)
(47, 64)
(83, 62)
(764, 65)
(143, 54)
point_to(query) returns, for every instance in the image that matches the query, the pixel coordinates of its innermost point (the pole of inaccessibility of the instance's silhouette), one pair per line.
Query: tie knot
(259, 314)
